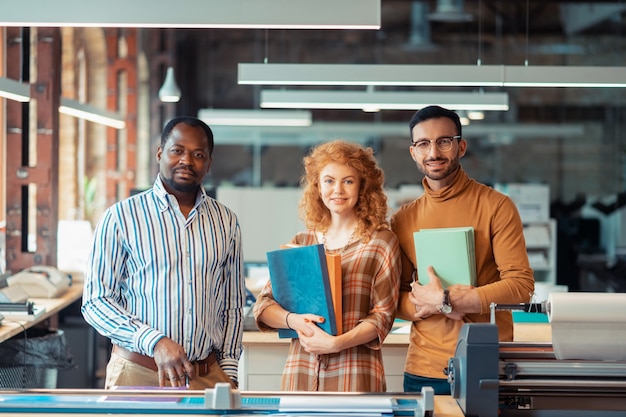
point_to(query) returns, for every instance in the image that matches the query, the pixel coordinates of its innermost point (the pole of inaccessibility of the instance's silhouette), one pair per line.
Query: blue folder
(300, 284)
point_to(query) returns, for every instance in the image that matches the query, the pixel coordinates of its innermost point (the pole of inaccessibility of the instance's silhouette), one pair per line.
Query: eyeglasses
(444, 144)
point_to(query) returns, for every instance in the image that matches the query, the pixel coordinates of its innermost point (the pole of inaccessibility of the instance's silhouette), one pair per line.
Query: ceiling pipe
(419, 30)
(450, 11)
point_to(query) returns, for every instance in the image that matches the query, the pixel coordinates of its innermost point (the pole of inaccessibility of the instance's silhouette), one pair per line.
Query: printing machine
(490, 379)
(487, 379)
(218, 401)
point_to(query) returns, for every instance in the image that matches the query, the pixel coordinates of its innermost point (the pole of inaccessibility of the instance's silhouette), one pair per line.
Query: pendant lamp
(169, 91)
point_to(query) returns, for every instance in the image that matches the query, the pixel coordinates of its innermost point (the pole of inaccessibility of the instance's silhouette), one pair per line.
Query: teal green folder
(450, 251)
(300, 284)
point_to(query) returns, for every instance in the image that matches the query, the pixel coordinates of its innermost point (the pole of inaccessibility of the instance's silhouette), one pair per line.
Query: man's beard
(439, 175)
(183, 188)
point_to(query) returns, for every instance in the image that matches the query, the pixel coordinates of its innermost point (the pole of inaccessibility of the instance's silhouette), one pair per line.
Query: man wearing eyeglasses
(452, 199)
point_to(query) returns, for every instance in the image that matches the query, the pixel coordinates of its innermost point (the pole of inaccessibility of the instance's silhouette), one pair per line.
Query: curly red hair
(371, 207)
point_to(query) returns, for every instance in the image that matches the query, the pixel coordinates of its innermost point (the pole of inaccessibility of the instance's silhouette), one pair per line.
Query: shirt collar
(165, 199)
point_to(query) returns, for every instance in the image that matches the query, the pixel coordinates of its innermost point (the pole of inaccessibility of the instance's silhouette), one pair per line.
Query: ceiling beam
(354, 131)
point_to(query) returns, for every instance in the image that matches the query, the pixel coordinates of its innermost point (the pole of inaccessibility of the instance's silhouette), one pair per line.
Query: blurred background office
(83, 106)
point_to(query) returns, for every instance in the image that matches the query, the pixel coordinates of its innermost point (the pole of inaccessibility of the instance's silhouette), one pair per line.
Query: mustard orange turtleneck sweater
(502, 268)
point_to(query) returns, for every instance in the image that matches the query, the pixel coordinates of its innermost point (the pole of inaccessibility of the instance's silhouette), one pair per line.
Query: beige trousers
(122, 372)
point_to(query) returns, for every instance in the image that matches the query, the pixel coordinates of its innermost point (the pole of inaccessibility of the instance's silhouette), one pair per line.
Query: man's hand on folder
(428, 298)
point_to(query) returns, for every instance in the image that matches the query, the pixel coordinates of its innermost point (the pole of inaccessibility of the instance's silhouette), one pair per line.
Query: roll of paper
(588, 326)
(587, 307)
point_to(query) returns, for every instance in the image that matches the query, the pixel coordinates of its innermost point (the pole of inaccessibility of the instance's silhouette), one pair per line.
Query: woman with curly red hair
(344, 207)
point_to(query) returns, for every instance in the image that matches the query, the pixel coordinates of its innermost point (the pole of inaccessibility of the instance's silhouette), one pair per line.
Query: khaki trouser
(122, 372)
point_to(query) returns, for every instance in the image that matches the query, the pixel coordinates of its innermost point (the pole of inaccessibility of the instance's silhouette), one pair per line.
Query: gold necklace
(340, 251)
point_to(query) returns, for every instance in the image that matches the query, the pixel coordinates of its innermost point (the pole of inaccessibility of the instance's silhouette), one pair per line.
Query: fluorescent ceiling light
(382, 100)
(553, 76)
(14, 90)
(356, 74)
(91, 113)
(247, 14)
(224, 117)
(431, 75)
(475, 115)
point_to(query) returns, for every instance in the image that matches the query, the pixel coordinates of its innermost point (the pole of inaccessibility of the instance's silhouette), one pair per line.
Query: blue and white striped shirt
(153, 272)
